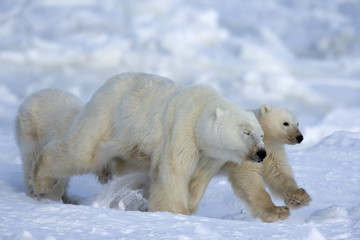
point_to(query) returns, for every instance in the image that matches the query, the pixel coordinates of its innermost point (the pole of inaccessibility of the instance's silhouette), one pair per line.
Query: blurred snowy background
(303, 55)
(300, 54)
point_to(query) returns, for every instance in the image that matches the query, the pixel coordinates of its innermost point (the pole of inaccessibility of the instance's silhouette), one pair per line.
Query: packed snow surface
(303, 55)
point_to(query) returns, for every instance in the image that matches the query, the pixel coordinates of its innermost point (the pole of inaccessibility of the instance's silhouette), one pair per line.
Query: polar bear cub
(44, 117)
(183, 136)
(280, 127)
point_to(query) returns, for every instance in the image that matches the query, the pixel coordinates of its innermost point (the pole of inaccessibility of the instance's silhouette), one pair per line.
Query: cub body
(44, 117)
(280, 127)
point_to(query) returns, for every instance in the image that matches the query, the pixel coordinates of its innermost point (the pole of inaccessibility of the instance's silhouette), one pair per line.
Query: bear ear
(219, 113)
(265, 109)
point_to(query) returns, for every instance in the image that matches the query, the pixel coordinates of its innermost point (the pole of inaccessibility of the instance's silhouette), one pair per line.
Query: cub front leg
(297, 198)
(248, 185)
(281, 181)
(43, 181)
(46, 186)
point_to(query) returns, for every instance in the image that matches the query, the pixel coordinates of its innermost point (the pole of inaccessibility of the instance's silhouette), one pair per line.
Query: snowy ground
(303, 55)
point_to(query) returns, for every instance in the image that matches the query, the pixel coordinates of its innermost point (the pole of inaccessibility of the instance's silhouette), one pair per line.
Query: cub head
(279, 125)
(231, 135)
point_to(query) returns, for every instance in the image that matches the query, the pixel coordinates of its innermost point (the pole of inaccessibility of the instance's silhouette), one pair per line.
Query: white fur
(42, 118)
(141, 121)
(280, 127)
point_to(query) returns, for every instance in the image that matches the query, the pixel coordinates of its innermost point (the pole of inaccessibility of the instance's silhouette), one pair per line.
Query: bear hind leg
(52, 164)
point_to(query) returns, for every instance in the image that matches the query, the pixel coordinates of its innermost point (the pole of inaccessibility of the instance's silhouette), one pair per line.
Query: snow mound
(343, 141)
(337, 120)
(333, 214)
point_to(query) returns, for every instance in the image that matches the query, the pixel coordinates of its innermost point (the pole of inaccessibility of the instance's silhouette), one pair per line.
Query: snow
(303, 55)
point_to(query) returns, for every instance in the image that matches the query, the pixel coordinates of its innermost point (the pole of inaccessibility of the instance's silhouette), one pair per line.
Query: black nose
(299, 138)
(261, 154)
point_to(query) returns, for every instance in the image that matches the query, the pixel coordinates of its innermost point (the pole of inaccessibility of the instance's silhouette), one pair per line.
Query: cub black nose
(299, 138)
(261, 154)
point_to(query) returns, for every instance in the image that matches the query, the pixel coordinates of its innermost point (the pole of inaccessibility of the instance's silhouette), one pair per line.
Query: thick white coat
(280, 127)
(44, 117)
(183, 135)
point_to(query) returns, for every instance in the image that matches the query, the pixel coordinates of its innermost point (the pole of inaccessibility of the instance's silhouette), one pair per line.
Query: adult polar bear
(248, 178)
(183, 135)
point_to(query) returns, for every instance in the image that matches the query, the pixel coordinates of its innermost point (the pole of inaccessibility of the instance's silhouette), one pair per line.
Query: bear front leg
(170, 182)
(206, 170)
(197, 189)
(169, 197)
(248, 185)
(168, 190)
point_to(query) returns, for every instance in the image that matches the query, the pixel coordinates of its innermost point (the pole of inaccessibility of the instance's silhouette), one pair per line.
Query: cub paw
(42, 182)
(297, 198)
(275, 214)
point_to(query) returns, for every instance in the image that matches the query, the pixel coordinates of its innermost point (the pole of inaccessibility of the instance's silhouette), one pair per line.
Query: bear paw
(297, 198)
(275, 214)
(42, 182)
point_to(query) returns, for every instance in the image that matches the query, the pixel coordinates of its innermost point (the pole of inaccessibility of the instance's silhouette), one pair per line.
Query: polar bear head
(279, 125)
(231, 135)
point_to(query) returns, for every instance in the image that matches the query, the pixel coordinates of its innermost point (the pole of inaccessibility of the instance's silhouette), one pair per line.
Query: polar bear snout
(299, 138)
(294, 136)
(258, 156)
(261, 154)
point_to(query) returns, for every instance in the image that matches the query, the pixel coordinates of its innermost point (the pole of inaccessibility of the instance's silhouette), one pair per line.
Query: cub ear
(219, 113)
(265, 109)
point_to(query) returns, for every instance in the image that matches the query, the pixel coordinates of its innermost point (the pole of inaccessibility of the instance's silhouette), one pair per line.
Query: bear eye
(246, 132)
(286, 124)
(297, 124)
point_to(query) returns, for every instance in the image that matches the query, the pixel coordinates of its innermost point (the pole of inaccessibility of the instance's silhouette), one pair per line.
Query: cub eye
(246, 132)
(286, 124)
(297, 124)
